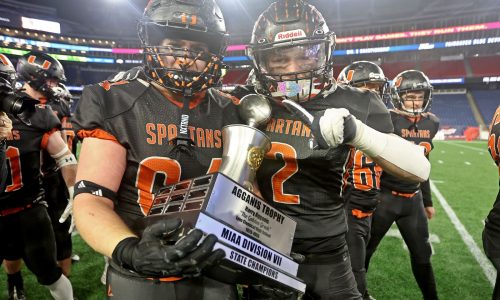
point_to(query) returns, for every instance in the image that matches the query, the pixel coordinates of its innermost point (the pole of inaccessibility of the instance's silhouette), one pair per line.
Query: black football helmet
(411, 81)
(359, 73)
(35, 68)
(297, 27)
(193, 20)
(8, 75)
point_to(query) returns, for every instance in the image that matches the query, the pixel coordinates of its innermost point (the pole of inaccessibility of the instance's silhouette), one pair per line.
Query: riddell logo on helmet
(288, 35)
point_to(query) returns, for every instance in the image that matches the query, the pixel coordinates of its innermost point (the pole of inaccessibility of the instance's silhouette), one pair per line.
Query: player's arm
(394, 154)
(65, 160)
(425, 188)
(64, 132)
(101, 162)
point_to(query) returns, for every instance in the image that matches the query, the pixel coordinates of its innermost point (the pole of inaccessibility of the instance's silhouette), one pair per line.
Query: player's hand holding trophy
(256, 238)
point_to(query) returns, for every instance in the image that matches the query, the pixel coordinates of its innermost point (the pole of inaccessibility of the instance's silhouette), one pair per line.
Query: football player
(364, 175)
(25, 226)
(53, 183)
(150, 127)
(409, 204)
(291, 48)
(491, 232)
(7, 83)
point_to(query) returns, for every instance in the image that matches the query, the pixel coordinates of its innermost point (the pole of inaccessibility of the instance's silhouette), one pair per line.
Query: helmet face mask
(61, 92)
(292, 51)
(408, 89)
(183, 44)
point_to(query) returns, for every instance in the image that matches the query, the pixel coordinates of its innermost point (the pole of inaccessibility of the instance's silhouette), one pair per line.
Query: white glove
(337, 126)
(69, 210)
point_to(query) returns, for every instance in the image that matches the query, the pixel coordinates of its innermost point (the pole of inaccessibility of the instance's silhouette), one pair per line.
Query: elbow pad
(398, 151)
(64, 158)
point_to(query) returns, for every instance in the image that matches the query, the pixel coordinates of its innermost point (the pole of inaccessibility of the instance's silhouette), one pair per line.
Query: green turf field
(467, 179)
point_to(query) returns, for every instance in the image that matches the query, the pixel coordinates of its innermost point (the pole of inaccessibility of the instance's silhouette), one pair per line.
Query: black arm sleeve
(425, 187)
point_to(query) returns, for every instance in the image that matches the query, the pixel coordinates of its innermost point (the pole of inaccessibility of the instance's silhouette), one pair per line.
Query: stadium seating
(485, 65)
(394, 68)
(487, 101)
(453, 110)
(443, 69)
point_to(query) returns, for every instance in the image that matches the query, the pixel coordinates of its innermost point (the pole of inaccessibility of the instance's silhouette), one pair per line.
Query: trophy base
(240, 268)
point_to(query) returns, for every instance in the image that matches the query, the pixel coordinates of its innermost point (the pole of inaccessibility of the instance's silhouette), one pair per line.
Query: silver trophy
(238, 164)
(256, 237)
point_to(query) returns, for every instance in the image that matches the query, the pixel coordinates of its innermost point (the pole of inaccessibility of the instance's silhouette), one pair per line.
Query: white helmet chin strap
(293, 90)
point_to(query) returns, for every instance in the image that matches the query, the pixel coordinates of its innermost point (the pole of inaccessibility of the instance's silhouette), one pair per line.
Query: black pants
(57, 198)
(357, 238)
(491, 246)
(120, 286)
(327, 277)
(28, 235)
(409, 215)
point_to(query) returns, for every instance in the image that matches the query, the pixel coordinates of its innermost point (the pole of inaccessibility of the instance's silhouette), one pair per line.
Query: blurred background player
(491, 232)
(364, 175)
(147, 128)
(409, 204)
(56, 193)
(292, 48)
(22, 205)
(7, 84)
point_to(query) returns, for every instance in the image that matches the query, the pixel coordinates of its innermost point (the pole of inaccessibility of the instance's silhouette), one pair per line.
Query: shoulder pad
(221, 98)
(129, 75)
(242, 90)
(117, 97)
(432, 117)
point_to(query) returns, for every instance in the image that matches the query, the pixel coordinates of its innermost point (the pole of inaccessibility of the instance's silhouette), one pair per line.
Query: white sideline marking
(440, 161)
(483, 261)
(433, 238)
(467, 163)
(438, 181)
(468, 147)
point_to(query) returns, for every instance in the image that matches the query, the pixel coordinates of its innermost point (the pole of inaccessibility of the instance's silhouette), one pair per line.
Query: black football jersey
(138, 117)
(427, 126)
(307, 184)
(363, 182)
(62, 112)
(493, 219)
(23, 157)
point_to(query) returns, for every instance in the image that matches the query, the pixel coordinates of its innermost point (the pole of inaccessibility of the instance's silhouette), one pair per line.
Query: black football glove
(150, 256)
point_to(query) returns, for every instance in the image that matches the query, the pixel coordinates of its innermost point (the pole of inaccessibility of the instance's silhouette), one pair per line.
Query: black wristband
(122, 254)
